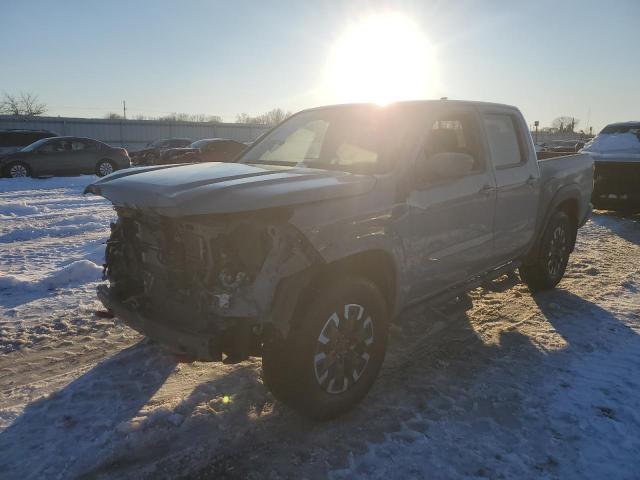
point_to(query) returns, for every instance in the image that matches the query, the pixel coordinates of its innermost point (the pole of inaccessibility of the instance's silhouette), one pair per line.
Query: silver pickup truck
(305, 248)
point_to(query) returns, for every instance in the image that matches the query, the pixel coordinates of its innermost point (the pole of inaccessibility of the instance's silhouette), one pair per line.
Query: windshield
(35, 145)
(622, 128)
(342, 138)
(156, 143)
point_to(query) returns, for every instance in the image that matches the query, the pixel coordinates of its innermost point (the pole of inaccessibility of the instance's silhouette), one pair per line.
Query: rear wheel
(105, 167)
(549, 267)
(333, 354)
(18, 169)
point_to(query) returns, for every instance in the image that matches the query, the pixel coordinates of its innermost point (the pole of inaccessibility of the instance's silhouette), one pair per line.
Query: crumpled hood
(209, 188)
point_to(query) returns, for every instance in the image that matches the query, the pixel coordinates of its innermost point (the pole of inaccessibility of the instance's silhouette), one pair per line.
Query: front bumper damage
(183, 342)
(206, 287)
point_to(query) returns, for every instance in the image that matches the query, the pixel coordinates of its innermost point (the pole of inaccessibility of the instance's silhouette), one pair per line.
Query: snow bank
(614, 143)
(78, 272)
(11, 210)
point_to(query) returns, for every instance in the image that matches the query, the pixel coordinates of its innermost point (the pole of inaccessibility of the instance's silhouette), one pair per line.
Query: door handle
(487, 189)
(531, 181)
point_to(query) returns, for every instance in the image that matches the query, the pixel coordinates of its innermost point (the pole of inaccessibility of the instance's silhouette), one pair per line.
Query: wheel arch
(293, 293)
(567, 200)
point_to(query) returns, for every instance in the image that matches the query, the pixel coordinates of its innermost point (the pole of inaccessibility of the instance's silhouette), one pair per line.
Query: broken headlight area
(207, 275)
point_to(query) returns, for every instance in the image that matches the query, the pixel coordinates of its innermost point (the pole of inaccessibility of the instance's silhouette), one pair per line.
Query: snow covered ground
(516, 387)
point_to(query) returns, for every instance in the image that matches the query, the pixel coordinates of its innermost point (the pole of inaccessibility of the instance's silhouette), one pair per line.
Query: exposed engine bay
(210, 275)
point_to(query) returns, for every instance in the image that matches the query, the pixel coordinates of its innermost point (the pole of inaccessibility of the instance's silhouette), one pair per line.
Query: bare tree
(565, 124)
(191, 117)
(270, 118)
(113, 116)
(9, 105)
(31, 104)
(24, 104)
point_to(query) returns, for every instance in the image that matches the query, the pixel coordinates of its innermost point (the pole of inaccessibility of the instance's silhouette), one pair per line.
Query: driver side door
(49, 159)
(451, 219)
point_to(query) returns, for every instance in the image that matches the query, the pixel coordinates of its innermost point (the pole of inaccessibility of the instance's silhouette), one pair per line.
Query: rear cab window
(455, 131)
(505, 140)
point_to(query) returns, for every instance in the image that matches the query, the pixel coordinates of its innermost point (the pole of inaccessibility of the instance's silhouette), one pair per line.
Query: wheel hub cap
(342, 351)
(18, 171)
(106, 168)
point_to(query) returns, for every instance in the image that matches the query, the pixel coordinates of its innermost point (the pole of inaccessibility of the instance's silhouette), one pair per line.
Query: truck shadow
(74, 425)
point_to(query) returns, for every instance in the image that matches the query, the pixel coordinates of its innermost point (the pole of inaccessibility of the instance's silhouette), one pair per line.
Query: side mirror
(444, 165)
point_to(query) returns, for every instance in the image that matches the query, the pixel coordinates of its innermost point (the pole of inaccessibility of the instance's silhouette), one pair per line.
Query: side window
(213, 147)
(54, 146)
(6, 140)
(457, 133)
(504, 140)
(77, 145)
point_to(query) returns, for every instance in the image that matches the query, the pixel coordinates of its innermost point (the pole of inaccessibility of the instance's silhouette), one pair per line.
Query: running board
(478, 281)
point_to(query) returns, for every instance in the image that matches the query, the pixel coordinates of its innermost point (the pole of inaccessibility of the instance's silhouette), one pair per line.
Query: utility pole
(535, 124)
(124, 109)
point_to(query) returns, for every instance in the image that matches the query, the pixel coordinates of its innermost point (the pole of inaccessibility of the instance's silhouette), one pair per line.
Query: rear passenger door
(83, 157)
(450, 220)
(517, 181)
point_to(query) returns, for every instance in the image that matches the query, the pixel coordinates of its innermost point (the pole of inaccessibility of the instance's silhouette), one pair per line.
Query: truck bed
(566, 172)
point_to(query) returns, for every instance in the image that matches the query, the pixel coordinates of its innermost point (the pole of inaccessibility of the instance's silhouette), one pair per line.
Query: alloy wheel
(18, 170)
(105, 168)
(342, 350)
(558, 248)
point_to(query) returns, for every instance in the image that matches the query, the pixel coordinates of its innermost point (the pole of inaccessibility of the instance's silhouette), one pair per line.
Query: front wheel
(333, 353)
(18, 169)
(548, 268)
(104, 168)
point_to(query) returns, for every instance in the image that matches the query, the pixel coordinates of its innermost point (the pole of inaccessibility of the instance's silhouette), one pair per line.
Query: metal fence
(133, 134)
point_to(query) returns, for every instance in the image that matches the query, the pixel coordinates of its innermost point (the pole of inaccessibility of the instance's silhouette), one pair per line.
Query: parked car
(616, 151)
(64, 156)
(14, 140)
(564, 146)
(206, 150)
(308, 246)
(151, 153)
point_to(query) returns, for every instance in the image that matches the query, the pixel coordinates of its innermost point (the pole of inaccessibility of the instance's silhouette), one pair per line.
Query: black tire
(105, 167)
(305, 370)
(549, 267)
(17, 170)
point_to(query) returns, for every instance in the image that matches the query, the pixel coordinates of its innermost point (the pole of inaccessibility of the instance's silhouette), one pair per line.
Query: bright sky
(549, 58)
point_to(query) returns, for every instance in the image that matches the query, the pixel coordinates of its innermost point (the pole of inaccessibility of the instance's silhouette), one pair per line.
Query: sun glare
(381, 58)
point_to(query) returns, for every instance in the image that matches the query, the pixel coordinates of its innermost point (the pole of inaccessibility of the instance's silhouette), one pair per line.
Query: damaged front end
(205, 286)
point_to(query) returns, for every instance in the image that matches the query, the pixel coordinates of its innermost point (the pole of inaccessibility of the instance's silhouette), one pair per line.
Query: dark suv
(14, 140)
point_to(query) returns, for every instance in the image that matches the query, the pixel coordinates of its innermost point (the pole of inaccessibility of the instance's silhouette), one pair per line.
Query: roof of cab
(441, 101)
